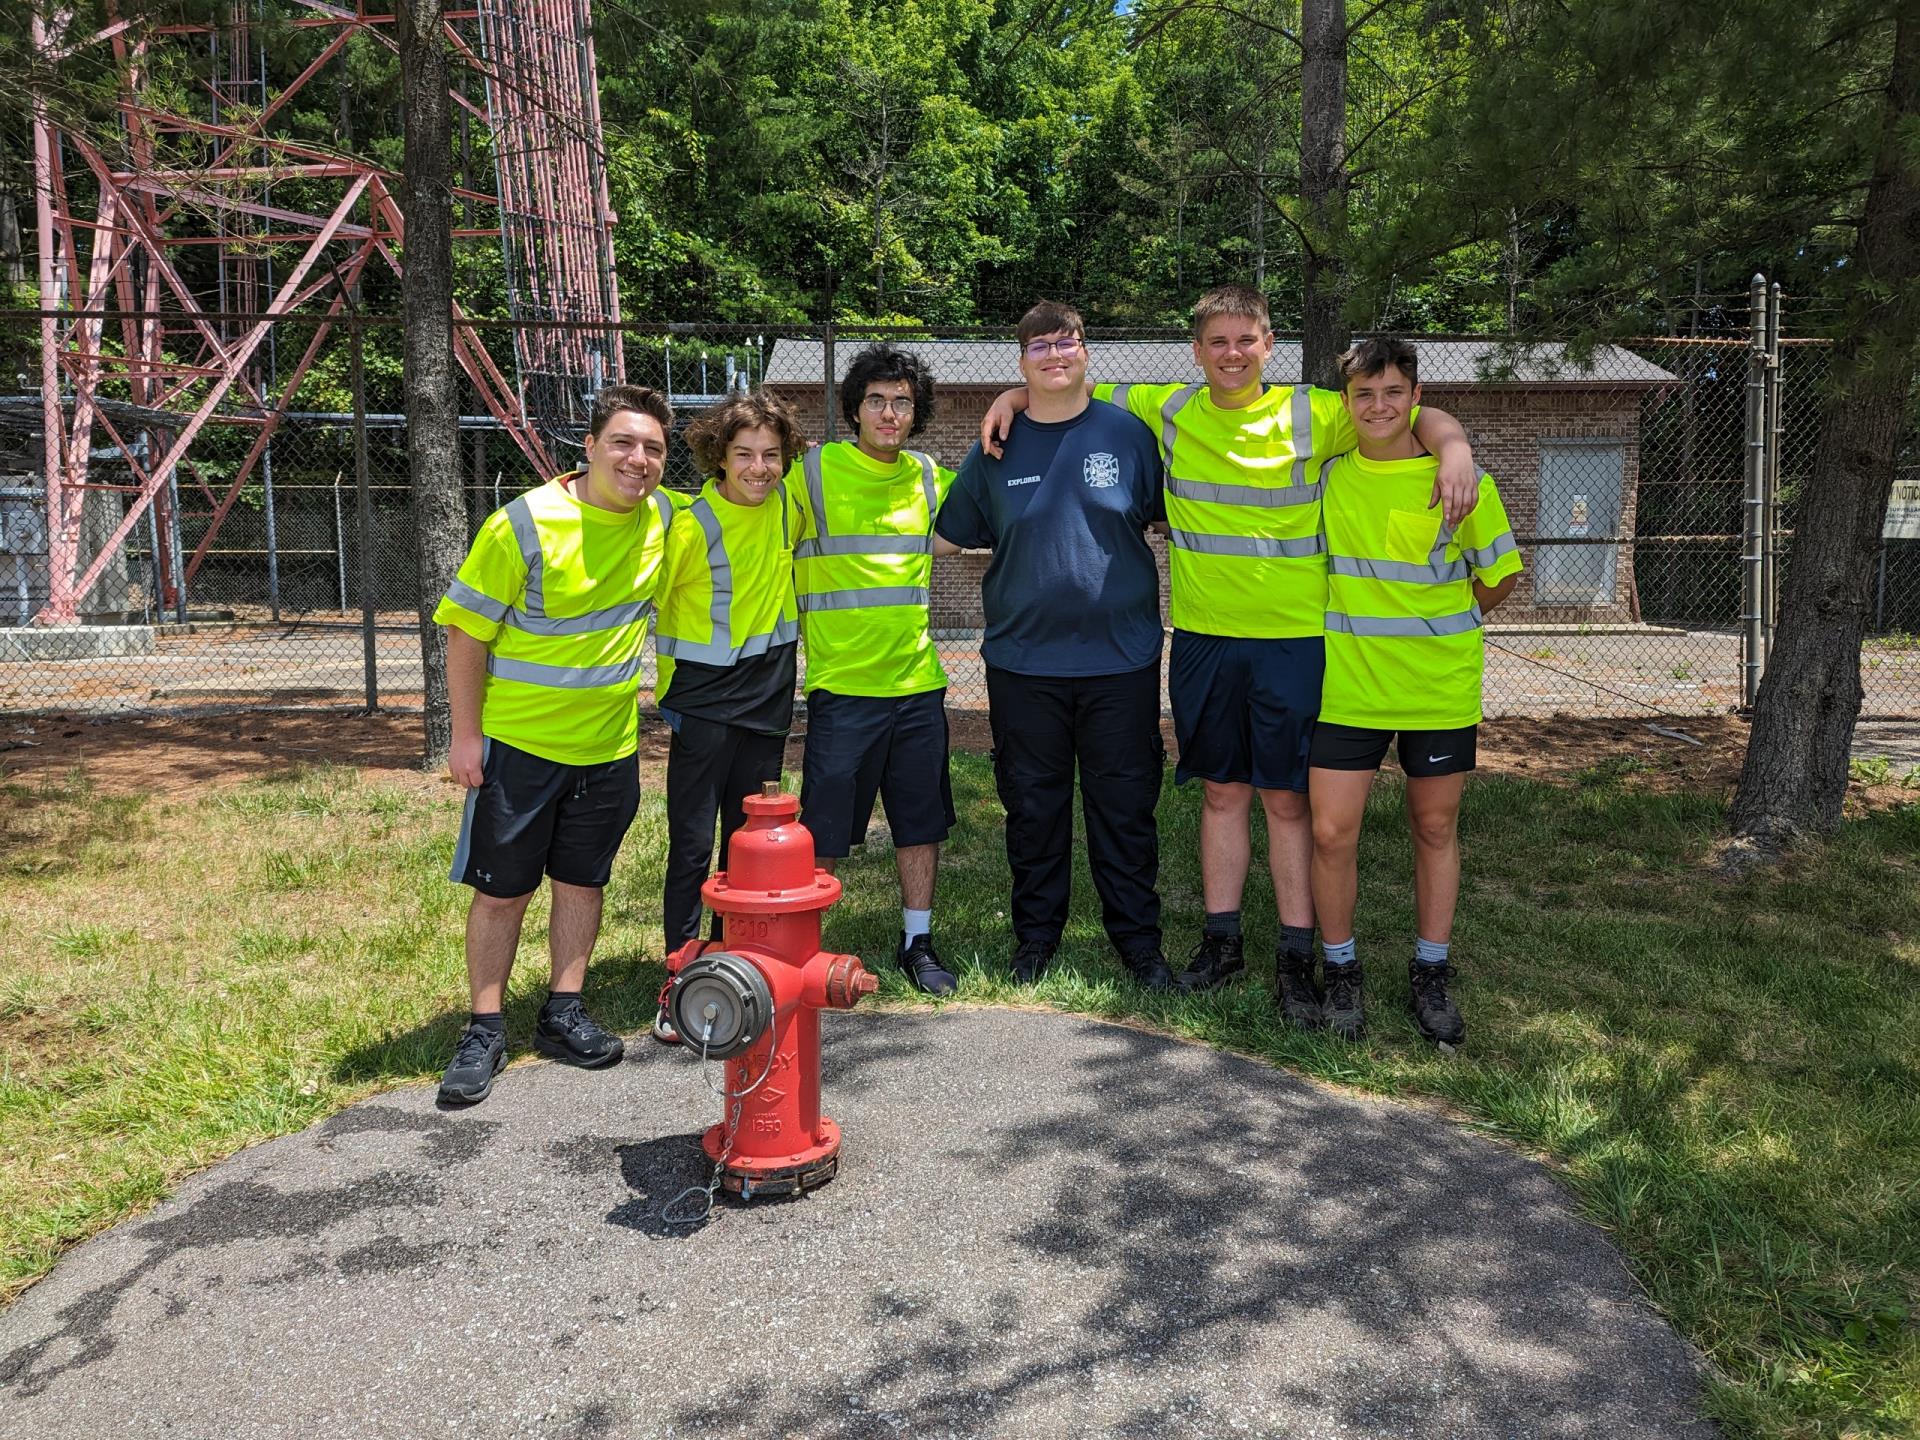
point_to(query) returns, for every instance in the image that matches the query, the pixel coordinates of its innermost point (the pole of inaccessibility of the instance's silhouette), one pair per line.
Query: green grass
(1726, 1075)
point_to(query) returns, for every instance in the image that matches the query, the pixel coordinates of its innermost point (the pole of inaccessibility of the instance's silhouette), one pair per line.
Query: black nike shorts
(1423, 753)
(531, 817)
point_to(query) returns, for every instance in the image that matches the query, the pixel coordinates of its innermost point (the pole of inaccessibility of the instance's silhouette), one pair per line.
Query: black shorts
(1423, 753)
(1243, 708)
(532, 817)
(859, 746)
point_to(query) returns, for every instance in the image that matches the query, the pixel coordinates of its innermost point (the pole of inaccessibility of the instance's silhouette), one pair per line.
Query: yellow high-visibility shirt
(726, 587)
(559, 593)
(1243, 503)
(1404, 644)
(863, 569)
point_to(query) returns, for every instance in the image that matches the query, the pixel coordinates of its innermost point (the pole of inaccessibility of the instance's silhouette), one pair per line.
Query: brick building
(1562, 440)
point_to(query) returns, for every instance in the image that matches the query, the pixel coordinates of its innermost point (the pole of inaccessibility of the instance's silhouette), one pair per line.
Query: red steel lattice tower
(131, 345)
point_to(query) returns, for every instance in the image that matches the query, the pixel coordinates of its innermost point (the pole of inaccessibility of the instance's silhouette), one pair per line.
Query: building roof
(1442, 362)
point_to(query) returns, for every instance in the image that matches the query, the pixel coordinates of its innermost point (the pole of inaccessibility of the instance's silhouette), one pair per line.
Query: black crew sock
(492, 1021)
(558, 1000)
(1296, 940)
(1223, 922)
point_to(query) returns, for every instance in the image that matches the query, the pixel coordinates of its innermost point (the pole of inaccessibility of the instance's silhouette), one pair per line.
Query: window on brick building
(1582, 486)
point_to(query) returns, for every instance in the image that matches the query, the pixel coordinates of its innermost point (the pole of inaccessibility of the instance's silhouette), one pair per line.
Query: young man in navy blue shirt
(1072, 601)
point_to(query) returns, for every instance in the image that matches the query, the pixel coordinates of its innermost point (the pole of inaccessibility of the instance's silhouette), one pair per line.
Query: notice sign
(1903, 509)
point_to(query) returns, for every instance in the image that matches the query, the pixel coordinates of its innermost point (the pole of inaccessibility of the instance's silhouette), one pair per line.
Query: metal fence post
(1770, 492)
(827, 369)
(365, 493)
(273, 538)
(178, 557)
(1752, 599)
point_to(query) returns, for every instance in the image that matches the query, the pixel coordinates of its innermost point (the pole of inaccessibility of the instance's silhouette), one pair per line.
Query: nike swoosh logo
(1436, 759)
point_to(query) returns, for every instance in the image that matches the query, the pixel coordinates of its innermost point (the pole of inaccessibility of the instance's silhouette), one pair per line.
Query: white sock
(916, 922)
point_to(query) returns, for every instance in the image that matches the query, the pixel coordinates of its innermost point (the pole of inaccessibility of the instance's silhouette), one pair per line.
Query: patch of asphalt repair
(1042, 1226)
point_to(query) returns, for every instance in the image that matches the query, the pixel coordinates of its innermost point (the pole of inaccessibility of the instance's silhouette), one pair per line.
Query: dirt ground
(170, 755)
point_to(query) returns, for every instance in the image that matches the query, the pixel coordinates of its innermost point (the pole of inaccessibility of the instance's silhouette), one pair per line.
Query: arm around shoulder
(1457, 487)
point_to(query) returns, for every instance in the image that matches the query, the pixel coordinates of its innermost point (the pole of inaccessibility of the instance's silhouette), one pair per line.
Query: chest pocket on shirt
(1410, 535)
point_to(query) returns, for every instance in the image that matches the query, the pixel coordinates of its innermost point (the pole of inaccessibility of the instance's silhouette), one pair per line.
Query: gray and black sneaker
(1295, 991)
(1215, 960)
(480, 1055)
(1433, 1009)
(1344, 1008)
(1031, 960)
(1148, 966)
(572, 1035)
(922, 967)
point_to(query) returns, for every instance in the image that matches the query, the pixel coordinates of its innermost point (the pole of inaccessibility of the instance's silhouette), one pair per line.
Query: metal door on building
(1582, 483)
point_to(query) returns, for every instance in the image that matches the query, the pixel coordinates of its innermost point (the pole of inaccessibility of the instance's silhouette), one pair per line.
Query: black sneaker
(1031, 960)
(480, 1055)
(1149, 968)
(922, 967)
(1433, 1009)
(572, 1035)
(1215, 960)
(1295, 990)
(1345, 1009)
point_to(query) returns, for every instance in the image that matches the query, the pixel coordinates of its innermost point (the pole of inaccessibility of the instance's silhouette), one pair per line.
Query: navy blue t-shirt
(1072, 588)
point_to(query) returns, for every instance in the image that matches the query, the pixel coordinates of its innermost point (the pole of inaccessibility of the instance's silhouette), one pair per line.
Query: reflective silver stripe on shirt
(1302, 429)
(784, 632)
(720, 568)
(867, 599)
(468, 598)
(1398, 570)
(663, 507)
(1461, 623)
(1266, 497)
(1504, 544)
(816, 487)
(527, 531)
(864, 545)
(1176, 402)
(564, 677)
(613, 617)
(929, 484)
(1119, 396)
(1251, 547)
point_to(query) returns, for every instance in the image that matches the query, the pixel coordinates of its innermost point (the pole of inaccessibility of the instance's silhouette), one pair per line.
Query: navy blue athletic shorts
(1423, 753)
(860, 746)
(531, 817)
(1243, 709)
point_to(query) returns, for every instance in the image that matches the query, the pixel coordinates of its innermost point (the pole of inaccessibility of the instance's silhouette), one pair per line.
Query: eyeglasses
(1041, 349)
(881, 404)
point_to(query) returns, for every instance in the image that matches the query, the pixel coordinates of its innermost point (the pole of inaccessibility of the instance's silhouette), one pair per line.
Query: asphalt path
(1042, 1226)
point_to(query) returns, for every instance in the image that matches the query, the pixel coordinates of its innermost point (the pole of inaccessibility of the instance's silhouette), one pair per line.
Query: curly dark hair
(883, 363)
(709, 436)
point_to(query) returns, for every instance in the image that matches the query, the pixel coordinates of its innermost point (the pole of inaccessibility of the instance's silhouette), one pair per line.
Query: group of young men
(1330, 555)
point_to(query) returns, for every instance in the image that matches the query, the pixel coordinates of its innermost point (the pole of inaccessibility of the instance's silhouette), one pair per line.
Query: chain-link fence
(269, 559)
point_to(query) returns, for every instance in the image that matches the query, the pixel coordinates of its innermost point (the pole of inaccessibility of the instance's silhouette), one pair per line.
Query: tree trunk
(432, 396)
(1795, 776)
(1323, 185)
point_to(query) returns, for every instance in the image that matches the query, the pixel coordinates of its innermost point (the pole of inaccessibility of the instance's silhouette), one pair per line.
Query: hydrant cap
(721, 1002)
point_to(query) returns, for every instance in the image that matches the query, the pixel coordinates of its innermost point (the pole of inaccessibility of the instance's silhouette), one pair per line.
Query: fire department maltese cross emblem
(1101, 470)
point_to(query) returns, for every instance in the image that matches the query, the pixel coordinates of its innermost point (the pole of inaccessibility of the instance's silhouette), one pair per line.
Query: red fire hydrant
(754, 999)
